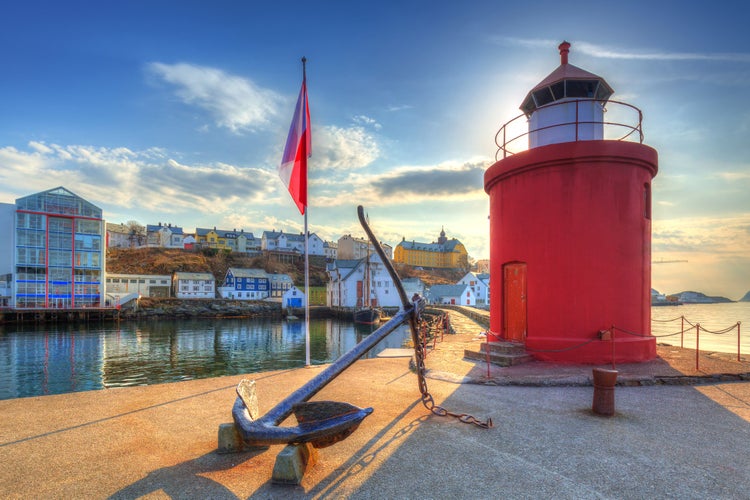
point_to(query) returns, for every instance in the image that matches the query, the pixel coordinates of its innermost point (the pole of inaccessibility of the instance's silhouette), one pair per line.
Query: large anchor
(323, 423)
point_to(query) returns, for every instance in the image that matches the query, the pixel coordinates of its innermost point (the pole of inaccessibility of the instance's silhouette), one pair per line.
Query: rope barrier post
(697, 344)
(682, 331)
(738, 340)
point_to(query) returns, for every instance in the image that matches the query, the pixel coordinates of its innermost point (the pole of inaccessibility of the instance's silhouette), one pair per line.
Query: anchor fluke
(328, 422)
(320, 423)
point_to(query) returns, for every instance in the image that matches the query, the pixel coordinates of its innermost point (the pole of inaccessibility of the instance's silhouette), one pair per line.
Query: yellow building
(445, 254)
(222, 239)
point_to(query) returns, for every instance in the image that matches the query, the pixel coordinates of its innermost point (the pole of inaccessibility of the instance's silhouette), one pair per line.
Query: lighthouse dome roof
(566, 82)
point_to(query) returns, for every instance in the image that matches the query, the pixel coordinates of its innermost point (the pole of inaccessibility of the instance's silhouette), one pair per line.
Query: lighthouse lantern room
(570, 228)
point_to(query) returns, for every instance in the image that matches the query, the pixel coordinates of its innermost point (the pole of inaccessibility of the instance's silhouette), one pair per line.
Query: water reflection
(69, 358)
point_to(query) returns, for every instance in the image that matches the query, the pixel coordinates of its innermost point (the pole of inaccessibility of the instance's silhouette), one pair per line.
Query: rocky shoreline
(171, 308)
(199, 308)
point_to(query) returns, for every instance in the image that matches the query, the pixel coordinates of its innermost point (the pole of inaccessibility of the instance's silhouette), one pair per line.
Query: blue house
(294, 297)
(245, 284)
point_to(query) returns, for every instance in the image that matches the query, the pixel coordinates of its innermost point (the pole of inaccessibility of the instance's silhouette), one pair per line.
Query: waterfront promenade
(677, 433)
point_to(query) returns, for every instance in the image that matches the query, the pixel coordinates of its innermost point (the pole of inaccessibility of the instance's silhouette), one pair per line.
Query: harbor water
(667, 325)
(54, 359)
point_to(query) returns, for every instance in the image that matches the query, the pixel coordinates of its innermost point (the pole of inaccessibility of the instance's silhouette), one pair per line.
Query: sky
(177, 112)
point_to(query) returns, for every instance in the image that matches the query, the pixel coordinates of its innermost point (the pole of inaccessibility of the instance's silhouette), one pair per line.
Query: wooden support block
(292, 463)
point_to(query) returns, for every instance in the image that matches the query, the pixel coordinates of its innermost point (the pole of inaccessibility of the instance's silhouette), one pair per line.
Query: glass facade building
(59, 245)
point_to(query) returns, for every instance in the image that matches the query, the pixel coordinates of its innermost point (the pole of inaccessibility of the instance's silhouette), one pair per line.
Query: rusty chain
(427, 399)
(414, 323)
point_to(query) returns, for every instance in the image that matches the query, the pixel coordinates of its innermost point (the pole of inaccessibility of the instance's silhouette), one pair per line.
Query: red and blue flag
(293, 167)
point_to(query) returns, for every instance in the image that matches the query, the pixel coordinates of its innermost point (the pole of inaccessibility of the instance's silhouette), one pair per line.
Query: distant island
(691, 297)
(746, 298)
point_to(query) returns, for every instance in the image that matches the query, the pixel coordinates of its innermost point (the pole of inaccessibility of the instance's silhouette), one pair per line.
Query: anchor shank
(282, 410)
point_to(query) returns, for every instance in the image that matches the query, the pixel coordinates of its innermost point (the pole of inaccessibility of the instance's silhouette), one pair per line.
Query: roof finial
(564, 49)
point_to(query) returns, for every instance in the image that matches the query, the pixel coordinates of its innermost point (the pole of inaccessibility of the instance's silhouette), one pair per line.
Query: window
(581, 88)
(543, 96)
(647, 200)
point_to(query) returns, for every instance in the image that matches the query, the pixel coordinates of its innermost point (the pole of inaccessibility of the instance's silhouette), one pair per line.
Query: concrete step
(501, 353)
(504, 347)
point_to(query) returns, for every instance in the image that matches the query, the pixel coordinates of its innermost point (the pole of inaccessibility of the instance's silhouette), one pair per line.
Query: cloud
(706, 235)
(366, 120)
(337, 148)
(394, 108)
(451, 182)
(610, 53)
(734, 176)
(604, 52)
(233, 102)
(121, 179)
(441, 181)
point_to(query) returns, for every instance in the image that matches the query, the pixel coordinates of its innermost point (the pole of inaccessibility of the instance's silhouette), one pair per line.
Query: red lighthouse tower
(570, 225)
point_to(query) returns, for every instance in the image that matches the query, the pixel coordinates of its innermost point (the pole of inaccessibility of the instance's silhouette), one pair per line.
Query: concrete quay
(687, 438)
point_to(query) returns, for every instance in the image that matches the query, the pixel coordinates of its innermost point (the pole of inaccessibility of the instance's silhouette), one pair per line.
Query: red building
(570, 225)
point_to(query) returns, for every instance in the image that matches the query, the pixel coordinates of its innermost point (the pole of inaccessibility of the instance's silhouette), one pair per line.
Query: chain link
(427, 399)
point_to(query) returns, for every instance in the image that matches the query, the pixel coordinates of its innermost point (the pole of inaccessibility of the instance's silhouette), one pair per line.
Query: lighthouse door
(514, 301)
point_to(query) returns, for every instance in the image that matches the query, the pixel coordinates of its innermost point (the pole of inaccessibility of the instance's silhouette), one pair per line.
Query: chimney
(564, 49)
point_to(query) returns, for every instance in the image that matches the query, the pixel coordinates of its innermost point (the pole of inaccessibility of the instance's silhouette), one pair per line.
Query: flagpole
(307, 254)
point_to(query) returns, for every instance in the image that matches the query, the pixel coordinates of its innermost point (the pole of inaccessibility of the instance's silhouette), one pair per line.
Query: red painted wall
(575, 213)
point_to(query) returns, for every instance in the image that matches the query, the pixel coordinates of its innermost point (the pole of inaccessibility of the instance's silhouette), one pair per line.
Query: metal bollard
(604, 391)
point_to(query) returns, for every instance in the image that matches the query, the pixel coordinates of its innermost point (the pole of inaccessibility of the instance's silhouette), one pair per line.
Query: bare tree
(137, 234)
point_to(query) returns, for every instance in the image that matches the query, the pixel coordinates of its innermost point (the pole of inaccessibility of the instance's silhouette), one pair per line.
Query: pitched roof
(153, 228)
(223, 233)
(274, 235)
(439, 291)
(247, 273)
(346, 266)
(448, 246)
(180, 275)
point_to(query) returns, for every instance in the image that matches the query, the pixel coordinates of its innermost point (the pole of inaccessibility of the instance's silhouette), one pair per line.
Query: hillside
(430, 277)
(168, 261)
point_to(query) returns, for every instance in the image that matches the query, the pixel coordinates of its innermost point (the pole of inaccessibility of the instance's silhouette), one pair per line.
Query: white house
(480, 285)
(194, 285)
(144, 285)
(412, 286)
(460, 295)
(125, 236)
(168, 236)
(346, 287)
(279, 284)
(330, 248)
(294, 297)
(287, 242)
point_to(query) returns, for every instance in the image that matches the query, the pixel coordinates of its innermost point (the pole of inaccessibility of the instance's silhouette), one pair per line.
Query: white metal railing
(625, 125)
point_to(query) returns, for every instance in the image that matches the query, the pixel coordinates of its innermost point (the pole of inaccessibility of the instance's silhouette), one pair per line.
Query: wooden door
(514, 301)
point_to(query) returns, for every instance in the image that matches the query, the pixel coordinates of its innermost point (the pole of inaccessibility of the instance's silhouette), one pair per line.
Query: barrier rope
(641, 335)
(692, 325)
(666, 320)
(635, 334)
